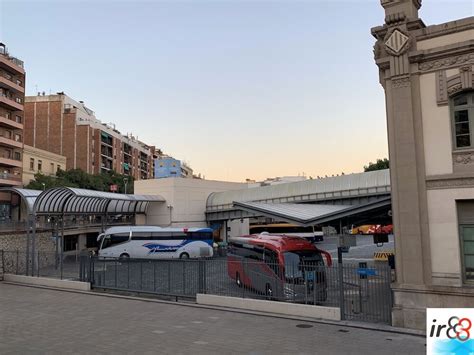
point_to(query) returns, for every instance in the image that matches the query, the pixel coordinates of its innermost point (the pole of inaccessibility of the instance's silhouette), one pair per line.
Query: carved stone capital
(400, 82)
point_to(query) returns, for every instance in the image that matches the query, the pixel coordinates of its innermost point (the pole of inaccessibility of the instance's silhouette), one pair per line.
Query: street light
(44, 186)
(125, 181)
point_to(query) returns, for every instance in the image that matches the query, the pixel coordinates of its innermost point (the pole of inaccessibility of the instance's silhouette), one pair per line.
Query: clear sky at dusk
(239, 89)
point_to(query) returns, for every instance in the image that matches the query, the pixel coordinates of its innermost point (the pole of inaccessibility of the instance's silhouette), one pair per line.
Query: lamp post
(125, 182)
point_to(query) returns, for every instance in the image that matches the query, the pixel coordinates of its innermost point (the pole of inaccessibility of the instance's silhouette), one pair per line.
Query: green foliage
(83, 180)
(379, 165)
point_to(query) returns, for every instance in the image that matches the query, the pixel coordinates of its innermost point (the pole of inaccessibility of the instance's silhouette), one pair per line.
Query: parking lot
(362, 252)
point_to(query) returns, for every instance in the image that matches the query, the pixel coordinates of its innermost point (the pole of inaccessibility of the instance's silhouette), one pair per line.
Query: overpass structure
(353, 198)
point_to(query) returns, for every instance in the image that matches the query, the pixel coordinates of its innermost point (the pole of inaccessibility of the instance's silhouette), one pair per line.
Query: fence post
(91, 269)
(169, 276)
(3, 265)
(17, 260)
(341, 282)
(201, 277)
(37, 263)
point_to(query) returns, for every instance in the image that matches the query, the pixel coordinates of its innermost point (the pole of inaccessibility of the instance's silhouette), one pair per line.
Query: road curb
(349, 324)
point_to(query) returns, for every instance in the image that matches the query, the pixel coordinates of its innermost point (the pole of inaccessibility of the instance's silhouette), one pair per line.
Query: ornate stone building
(426, 72)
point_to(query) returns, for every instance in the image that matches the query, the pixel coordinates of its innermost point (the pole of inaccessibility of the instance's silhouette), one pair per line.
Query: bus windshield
(295, 261)
(113, 239)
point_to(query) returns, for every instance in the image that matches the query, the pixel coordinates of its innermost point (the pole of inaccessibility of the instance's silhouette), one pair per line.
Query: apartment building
(40, 161)
(61, 125)
(166, 166)
(12, 95)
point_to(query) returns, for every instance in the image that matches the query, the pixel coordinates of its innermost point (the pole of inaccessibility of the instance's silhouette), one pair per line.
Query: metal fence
(42, 264)
(362, 293)
(365, 294)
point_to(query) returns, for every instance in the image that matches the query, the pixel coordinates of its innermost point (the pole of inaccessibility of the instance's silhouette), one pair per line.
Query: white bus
(155, 242)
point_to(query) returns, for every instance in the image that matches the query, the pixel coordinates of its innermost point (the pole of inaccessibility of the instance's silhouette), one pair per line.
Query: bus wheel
(124, 256)
(268, 292)
(184, 256)
(237, 280)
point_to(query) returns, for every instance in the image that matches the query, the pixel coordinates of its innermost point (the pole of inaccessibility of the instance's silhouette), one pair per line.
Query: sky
(237, 88)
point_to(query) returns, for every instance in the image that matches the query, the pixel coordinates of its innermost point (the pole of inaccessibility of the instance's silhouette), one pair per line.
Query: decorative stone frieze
(446, 63)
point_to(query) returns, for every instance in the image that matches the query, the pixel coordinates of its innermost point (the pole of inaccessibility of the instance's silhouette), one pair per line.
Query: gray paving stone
(41, 321)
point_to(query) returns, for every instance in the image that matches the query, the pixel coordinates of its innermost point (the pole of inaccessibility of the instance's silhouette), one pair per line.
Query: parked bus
(280, 267)
(307, 232)
(155, 242)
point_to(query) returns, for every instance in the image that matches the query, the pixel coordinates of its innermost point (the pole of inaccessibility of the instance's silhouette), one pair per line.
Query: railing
(16, 61)
(9, 77)
(8, 117)
(361, 293)
(41, 264)
(22, 226)
(9, 176)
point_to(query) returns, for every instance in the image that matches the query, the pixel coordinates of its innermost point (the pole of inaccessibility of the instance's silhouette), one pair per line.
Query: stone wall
(14, 242)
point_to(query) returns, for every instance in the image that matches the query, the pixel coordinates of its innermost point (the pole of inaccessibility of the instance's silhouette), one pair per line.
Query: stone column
(400, 81)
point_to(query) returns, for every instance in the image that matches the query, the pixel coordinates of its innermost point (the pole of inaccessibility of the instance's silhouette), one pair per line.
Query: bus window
(296, 260)
(113, 239)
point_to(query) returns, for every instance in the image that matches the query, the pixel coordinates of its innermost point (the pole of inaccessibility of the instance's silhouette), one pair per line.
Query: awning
(27, 195)
(67, 200)
(315, 214)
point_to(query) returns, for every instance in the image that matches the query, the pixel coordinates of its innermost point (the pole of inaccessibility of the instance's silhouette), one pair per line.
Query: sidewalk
(36, 320)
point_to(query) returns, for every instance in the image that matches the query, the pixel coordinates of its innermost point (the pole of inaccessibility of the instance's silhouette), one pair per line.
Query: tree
(81, 179)
(379, 165)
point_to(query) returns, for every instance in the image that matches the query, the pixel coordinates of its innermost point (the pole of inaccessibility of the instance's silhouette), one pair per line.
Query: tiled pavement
(40, 321)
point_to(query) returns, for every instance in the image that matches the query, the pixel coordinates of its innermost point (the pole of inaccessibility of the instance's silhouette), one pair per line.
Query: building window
(32, 164)
(52, 168)
(40, 165)
(463, 120)
(466, 237)
(18, 119)
(58, 168)
(17, 156)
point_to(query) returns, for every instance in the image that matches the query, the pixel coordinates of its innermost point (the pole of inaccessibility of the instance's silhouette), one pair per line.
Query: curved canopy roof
(345, 185)
(68, 200)
(27, 195)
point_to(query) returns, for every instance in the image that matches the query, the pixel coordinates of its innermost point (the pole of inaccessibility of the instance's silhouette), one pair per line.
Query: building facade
(426, 72)
(170, 167)
(40, 161)
(12, 96)
(186, 204)
(61, 125)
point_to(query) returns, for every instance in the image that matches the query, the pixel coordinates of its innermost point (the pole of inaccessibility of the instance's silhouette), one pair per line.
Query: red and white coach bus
(280, 267)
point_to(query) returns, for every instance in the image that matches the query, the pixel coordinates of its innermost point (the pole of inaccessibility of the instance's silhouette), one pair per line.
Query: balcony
(11, 162)
(10, 102)
(7, 179)
(10, 142)
(10, 123)
(8, 81)
(10, 63)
